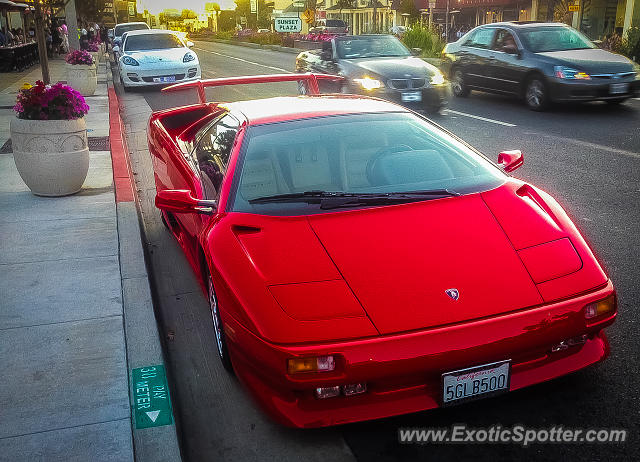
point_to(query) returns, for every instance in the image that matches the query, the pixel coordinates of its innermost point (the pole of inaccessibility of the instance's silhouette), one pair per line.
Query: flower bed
(79, 57)
(46, 102)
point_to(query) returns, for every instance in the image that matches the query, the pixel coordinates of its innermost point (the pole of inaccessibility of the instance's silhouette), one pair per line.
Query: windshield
(152, 42)
(370, 46)
(554, 39)
(121, 29)
(355, 153)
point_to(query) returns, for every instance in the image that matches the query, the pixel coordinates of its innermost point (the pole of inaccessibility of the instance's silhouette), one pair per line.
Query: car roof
(268, 110)
(526, 24)
(149, 32)
(128, 23)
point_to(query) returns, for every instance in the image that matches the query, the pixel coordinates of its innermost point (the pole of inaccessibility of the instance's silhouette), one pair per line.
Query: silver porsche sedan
(156, 57)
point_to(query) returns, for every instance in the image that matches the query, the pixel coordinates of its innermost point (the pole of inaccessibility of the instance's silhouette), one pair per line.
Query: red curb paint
(122, 176)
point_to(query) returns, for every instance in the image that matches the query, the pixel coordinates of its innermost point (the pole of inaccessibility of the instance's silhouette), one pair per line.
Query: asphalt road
(587, 156)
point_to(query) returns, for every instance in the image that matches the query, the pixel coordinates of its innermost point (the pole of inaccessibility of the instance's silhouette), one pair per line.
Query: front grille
(403, 84)
(150, 79)
(399, 84)
(621, 75)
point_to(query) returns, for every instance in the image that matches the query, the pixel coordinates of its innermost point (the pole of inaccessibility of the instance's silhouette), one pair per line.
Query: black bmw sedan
(376, 65)
(539, 62)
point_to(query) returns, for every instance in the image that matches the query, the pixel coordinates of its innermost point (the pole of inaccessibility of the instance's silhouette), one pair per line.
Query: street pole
(42, 44)
(446, 26)
(72, 24)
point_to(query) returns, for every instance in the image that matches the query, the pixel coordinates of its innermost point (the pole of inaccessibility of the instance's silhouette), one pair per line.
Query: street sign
(432, 5)
(254, 6)
(287, 24)
(308, 16)
(151, 401)
(574, 7)
(298, 4)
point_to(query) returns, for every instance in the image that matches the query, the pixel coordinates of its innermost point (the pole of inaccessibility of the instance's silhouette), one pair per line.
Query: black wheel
(615, 102)
(535, 94)
(164, 221)
(218, 329)
(458, 85)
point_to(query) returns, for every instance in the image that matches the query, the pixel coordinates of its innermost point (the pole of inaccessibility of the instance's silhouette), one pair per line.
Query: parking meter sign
(290, 24)
(151, 401)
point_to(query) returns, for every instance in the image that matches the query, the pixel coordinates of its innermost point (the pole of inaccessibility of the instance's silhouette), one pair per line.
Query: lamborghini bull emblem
(453, 294)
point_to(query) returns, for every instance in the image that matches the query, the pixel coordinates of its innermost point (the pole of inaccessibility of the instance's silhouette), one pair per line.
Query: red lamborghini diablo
(362, 262)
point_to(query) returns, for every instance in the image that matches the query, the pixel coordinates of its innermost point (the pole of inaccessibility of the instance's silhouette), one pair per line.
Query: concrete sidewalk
(75, 309)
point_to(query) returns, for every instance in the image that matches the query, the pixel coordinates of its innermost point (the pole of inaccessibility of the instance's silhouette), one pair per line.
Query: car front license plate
(169, 78)
(475, 382)
(617, 88)
(408, 96)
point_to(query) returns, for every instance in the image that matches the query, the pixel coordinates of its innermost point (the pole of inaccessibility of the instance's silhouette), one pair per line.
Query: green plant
(427, 40)
(631, 44)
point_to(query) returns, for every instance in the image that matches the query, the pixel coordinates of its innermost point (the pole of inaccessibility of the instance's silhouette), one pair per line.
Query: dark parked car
(540, 62)
(376, 65)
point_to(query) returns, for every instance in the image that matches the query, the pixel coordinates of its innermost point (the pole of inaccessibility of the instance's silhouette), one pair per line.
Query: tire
(616, 102)
(218, 328)
(458, 86)
(536, 95)
(164, 221)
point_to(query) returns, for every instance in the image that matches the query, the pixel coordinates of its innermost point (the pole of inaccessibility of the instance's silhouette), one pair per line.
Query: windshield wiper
(335, 199)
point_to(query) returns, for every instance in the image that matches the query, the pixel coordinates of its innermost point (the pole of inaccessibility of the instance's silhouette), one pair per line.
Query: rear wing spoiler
(200, 85)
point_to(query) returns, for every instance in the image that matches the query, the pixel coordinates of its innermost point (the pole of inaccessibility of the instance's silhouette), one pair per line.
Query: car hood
(389, 68)
(592, 60)
(401, 261)
(392, 269)
(158, 56)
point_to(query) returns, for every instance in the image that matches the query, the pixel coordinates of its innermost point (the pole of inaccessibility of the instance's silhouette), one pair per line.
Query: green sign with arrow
(151, 401)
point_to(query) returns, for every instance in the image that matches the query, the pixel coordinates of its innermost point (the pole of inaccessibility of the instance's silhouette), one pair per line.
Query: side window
(468, 42)
(482, 38)
(213, 152)
(504, 39)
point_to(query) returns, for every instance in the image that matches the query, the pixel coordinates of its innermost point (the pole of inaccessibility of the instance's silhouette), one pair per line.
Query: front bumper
(403, 371)
(136, 76)
(596, 89)
(431, 96)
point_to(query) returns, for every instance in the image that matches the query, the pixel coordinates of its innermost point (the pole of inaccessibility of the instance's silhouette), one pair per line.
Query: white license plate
(475, 382)
(169, 78)
(411, 96)
(617, 88)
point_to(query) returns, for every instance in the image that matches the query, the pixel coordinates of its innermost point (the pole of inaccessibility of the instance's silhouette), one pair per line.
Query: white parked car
(156, 57)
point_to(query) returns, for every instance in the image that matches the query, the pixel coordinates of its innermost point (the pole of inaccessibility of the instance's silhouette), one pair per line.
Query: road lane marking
(245, 61)
(587, 144)
(484, 119)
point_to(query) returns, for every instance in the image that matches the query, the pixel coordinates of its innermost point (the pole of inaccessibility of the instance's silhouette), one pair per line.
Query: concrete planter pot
(52, 156)
(83, 78)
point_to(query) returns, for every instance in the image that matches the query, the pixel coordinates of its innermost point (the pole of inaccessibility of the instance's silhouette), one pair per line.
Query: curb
(142, 339)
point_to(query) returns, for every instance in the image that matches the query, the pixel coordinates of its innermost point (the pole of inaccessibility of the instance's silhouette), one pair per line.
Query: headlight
(188, 57)
(437, 78)
(570, 74)
(368, 83)
(129, 61)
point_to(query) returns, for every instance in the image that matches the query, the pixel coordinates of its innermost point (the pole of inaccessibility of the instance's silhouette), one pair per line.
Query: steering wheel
(373, 176)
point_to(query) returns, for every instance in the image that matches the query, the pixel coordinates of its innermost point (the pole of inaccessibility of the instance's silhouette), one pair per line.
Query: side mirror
(181, 201)
(510, 160)
(416, 51)
(116, 49)
(190, 43)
